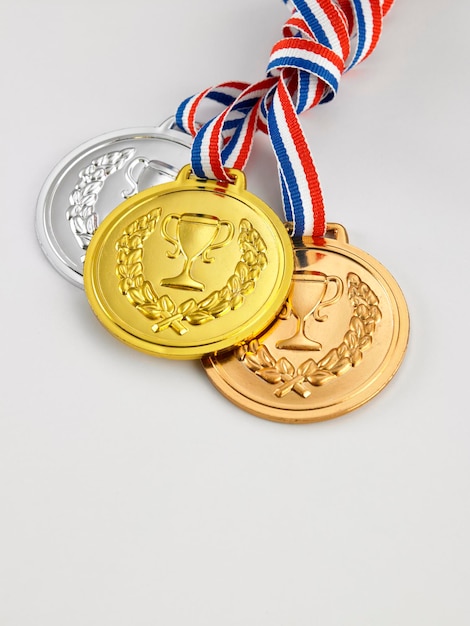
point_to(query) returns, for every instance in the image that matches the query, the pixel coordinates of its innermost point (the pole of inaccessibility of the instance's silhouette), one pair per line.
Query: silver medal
(94, 179)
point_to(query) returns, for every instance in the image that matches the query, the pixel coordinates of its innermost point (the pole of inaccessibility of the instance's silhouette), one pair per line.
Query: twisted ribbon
(320, 41)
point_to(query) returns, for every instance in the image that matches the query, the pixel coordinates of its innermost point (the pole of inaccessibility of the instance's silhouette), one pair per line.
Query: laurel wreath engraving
(349, 353)
(163, 310)
(81, 213)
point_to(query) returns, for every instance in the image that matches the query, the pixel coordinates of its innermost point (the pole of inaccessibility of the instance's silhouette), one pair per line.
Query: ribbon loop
(321, 40)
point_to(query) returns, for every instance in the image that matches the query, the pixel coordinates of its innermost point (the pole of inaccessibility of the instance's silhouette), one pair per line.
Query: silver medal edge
(46, 195)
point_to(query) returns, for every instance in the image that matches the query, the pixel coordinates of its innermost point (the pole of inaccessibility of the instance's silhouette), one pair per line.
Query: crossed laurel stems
(366, 316)
(163, 310)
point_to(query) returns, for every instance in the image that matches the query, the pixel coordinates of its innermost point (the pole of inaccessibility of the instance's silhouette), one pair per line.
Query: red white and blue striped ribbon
(321, 40)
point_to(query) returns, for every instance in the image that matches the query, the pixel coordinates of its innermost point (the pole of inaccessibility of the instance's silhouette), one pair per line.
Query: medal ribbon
(321, 40)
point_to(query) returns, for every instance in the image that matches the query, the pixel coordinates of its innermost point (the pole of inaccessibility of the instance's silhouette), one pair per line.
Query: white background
(131, 492)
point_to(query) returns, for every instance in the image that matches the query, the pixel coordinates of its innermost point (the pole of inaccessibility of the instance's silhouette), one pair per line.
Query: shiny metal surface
(338, 341)
(94, 179)
(189, 268)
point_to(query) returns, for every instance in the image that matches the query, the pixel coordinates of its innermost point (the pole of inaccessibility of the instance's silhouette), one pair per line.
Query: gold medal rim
(251, 328)
(383, 376)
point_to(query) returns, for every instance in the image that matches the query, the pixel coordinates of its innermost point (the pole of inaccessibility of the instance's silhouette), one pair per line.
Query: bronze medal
(337, 342)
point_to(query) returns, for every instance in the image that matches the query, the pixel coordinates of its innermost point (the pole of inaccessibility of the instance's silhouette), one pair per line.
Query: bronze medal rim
(371, 388)
(251, 328)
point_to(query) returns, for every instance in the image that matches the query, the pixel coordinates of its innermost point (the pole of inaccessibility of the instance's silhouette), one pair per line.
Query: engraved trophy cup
(196, 235)
(307, 298)
(142, 174)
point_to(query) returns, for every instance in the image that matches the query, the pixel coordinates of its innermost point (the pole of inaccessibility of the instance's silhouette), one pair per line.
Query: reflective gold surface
(337, 342)
(189, 267)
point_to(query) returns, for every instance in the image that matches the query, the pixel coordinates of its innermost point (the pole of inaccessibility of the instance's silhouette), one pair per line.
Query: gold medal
(337, 342)
(189, 267)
